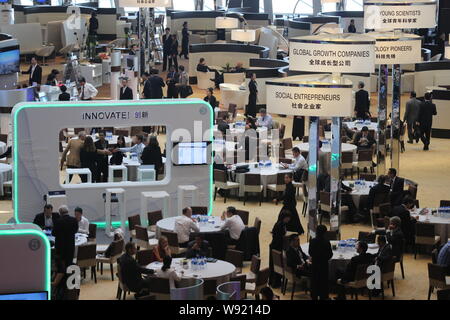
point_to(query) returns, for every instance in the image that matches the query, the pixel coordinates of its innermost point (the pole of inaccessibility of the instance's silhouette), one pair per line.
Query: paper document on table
(334, 222)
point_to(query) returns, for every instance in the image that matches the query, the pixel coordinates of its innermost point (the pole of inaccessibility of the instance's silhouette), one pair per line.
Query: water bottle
(194, 264)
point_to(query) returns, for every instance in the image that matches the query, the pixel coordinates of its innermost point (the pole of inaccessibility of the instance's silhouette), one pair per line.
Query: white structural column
(115, 74)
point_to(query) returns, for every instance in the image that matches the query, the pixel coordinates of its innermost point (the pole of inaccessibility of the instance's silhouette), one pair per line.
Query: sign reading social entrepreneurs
(145, 3)
(393, 48)
(295, 96)
(391, 15)
(337, 53)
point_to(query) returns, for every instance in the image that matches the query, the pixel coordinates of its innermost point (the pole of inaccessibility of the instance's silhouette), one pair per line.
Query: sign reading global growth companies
(401, 15)
(332, 53)
(293, 96)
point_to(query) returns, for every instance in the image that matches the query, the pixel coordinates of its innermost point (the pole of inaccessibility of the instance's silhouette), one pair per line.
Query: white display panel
(402, 15)
(144, 3)
(391, 48)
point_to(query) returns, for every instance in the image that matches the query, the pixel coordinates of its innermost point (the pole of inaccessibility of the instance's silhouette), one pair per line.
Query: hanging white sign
(339, 56)
(301, 100)
(398, 51)
(388, 15)
(144, 3)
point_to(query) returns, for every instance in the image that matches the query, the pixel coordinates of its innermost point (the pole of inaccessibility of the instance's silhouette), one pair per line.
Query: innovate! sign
(331, 56)
(144, 3)
(309, 100)
(403, 15)
(398, 51)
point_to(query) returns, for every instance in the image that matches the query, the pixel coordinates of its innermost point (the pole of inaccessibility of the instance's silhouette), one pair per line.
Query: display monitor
(39, 295)
(9, 60)
(191, 153)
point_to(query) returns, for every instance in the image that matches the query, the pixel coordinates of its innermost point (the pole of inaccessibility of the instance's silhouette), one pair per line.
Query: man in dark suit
(348, 275)
(147, 92)
(171, 81)
(252, 97)
(425, 120)
(125, 91)
(407, 222)
(362, 102)
(35, 72)
(102, 159)
(384, 251)
(379, 188)
(64, 232)
(131, 271)
(156, 84)
(167, 45)
(363, 140)
(411, 115)
(297, 260)
(396, 187)
(198, 248)
(46, 219)
(394, 237)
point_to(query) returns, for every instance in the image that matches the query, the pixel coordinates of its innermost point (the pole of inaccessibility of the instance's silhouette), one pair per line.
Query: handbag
(189, 91)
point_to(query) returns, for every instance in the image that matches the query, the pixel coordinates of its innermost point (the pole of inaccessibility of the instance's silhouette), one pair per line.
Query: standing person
(93, 24)
(35, 72)
(88, 159)
(210, 98)
(171, 81)
(183, 82)
(351, 26)
(185, 41)
(71, 154)
(320, 252)
(167, 45)
(126, 93)
(425, 120)
(411, 116)
(87, 90)
(102, 159)
(298, 127)
(362, 102)
(64, 232)
(290, 204)
(278, 234)
(253, 97)
(151, 155)
(156, 84)
(173, 58)
(64, 95)
(138, 147)
(147, 91)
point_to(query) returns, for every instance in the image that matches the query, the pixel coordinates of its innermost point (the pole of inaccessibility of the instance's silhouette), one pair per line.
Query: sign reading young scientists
(398, 51)
(144, 3)
(331, 56)
(295, 98)
(402, 15)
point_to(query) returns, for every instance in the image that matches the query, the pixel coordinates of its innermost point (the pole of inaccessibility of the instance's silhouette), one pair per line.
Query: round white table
(213, 225)
(359, 191)
(441, 224)
(5, 175)
(358, 125)
(326, 147)
(220, 270)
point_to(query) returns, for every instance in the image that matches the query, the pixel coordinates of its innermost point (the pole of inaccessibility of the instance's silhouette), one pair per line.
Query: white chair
(112, 169)
(235, 78)
(45, 52)
(204, 80)
(436, 57)
(221, 182)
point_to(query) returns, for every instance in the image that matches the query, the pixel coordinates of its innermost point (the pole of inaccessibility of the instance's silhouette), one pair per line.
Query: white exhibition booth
(36, 156)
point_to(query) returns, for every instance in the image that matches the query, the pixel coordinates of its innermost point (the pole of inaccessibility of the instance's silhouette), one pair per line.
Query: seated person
(297, 260)
(234, 225)
(394, 237)
(239, 68)
(83, 223)
(384, 251)
(202, 67)
(117, 237)
(407, 222)
(348, 275)
(198, 248)
(298, 166)
(46, 220)
(363, 140)
(184, 225)
(64, 95)
(167, 272)
(380, 188)
(267, 294)
(264, 120)
(131, 272)
(443, 258)
(347, 133)
(162, 249)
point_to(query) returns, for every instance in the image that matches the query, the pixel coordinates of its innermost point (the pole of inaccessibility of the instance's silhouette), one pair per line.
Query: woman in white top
(167, 272)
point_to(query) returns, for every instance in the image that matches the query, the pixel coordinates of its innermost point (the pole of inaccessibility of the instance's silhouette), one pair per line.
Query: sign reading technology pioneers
(144, 3)
(403, 15)
(307, 100)
(332, 56)
(398, 51)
